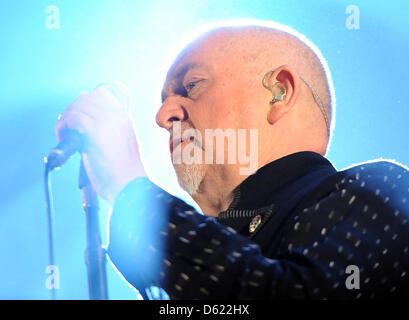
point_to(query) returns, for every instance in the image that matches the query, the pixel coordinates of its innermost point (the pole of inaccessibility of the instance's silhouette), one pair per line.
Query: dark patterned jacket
(297, 228)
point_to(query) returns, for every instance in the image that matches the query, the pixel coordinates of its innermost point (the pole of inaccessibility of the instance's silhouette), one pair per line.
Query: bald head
(252, 50)
(265, 48)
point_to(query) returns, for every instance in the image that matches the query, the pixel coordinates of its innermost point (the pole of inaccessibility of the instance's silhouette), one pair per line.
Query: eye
(191, 85)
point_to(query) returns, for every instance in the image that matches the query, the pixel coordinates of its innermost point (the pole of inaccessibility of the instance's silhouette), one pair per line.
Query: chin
(190, 177)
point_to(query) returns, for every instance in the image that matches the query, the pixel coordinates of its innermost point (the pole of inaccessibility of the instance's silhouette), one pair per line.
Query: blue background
(43, 70)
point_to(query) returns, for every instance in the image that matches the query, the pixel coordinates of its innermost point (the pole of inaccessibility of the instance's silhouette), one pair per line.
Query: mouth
(174, 143)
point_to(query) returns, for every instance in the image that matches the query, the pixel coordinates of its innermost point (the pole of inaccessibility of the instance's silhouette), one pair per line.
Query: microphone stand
(94, 254)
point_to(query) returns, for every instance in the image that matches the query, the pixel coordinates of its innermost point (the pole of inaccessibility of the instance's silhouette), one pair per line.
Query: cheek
(217, 108)
(222, 110)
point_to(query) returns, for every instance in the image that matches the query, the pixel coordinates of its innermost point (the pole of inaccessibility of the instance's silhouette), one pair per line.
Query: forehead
(201, 58)
(211, 53)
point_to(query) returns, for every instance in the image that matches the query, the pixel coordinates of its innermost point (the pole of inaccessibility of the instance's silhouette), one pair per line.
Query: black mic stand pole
(94, 254)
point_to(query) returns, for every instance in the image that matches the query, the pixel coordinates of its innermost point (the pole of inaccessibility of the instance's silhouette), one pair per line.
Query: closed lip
(175, 142)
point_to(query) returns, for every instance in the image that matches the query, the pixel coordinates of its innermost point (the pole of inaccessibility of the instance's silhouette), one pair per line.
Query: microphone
(72, 142)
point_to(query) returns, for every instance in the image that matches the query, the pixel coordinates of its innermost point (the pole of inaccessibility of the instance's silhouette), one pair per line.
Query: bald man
(291, 225)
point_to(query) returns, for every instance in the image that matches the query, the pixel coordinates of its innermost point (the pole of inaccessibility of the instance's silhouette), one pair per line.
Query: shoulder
(385, 182)
(371, 196)
(369, 200)
(379, 168)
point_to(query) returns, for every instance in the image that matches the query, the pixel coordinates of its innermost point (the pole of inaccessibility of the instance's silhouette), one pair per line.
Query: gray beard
(190, 176)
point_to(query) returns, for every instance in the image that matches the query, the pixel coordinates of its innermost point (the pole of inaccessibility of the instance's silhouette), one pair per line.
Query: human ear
(284, 85)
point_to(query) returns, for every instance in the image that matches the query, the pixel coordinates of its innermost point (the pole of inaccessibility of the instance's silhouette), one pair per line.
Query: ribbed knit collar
(258, 192)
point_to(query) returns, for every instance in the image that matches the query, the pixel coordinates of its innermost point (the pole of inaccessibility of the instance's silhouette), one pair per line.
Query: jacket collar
(258, 189)
(267, 187)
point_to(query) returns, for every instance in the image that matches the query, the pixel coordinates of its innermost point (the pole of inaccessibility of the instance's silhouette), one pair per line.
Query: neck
(216, 190)
(215, 193)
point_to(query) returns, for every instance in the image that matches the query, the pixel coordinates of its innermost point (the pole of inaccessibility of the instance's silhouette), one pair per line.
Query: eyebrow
(180, 73)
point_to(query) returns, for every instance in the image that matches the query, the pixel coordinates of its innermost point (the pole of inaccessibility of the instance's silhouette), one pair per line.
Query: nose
(171, 110)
